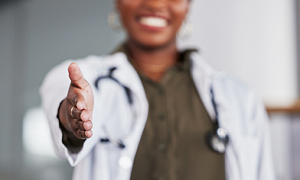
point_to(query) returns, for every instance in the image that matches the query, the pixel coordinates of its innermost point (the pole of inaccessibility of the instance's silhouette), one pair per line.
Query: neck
(153, 61)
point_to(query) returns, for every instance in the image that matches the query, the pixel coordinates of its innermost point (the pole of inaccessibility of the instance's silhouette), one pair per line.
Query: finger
(80, 125)
(74, 125)
(80, 134)
(76, 76)
(84, 126)
(88, 125)
(85, 115)
(74, 113)
(76, 99)
(88, 134)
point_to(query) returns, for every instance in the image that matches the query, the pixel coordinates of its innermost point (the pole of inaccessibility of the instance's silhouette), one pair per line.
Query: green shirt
(172, 146)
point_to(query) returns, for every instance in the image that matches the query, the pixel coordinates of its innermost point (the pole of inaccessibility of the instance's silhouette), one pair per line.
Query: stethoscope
(110, 138)
(217, 138)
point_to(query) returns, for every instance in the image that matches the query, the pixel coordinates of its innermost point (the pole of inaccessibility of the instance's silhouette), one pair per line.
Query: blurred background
(254, 40)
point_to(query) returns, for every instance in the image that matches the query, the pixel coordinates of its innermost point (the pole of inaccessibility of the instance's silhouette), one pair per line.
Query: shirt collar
(183, 61)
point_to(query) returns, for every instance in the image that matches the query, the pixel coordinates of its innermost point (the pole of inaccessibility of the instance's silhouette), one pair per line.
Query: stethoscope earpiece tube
(218, 138)
(111, 139)
(109, 76)
(115, 142)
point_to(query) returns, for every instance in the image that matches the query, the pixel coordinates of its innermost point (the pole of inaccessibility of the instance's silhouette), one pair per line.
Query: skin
(152, 46)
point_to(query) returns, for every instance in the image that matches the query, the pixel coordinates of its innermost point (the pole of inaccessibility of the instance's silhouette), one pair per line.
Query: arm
(266, 166)
(258, 144)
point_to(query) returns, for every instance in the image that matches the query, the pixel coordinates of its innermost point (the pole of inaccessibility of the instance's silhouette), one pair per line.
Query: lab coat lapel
(127, 76)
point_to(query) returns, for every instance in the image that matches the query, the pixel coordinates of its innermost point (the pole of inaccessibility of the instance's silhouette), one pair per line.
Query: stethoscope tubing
(211, 135)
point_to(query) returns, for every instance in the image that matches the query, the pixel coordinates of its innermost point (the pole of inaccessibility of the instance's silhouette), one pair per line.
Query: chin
(153, 42)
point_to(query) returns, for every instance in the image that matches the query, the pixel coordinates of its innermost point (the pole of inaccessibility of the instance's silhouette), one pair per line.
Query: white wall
(254, 40)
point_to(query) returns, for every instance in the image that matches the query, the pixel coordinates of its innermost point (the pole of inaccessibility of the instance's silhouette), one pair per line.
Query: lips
(155, 22)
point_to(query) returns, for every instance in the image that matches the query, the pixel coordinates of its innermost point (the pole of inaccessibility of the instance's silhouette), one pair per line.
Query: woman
(148, 111)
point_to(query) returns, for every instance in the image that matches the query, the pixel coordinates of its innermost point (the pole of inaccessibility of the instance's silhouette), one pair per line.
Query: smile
(154, 22)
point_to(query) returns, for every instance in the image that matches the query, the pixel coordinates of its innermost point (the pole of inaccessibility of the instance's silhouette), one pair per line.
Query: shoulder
(241, 103)
(235, 87)
(230, 86)
(231, 92)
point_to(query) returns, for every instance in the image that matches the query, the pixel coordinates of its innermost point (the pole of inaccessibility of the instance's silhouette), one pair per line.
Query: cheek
(126, 10)
(126, 6)
(180, 11)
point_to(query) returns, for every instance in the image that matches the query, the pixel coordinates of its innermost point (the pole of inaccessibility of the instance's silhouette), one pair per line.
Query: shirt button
(160, 91)
(173, 71)
(162, 147)
(161, 117)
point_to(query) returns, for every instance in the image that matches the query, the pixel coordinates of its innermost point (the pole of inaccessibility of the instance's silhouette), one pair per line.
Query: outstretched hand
(76, 110)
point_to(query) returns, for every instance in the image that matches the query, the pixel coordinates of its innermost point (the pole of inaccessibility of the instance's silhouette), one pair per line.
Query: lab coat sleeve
(255, 137)
(242, 112)
(53, 90)
(265, 166)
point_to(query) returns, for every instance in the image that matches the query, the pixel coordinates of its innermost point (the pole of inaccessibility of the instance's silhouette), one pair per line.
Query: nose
(155, 5)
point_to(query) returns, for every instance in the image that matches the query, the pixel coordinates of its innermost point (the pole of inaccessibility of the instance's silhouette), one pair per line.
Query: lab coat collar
(203, 76)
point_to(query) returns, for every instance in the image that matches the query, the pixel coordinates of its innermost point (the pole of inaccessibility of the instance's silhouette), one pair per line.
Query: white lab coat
(248, 154)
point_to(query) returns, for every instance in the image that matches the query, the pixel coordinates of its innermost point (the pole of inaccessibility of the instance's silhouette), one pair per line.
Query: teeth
(154, 21)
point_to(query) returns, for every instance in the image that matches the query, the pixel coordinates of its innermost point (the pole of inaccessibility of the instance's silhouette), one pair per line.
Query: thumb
(76, 76)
